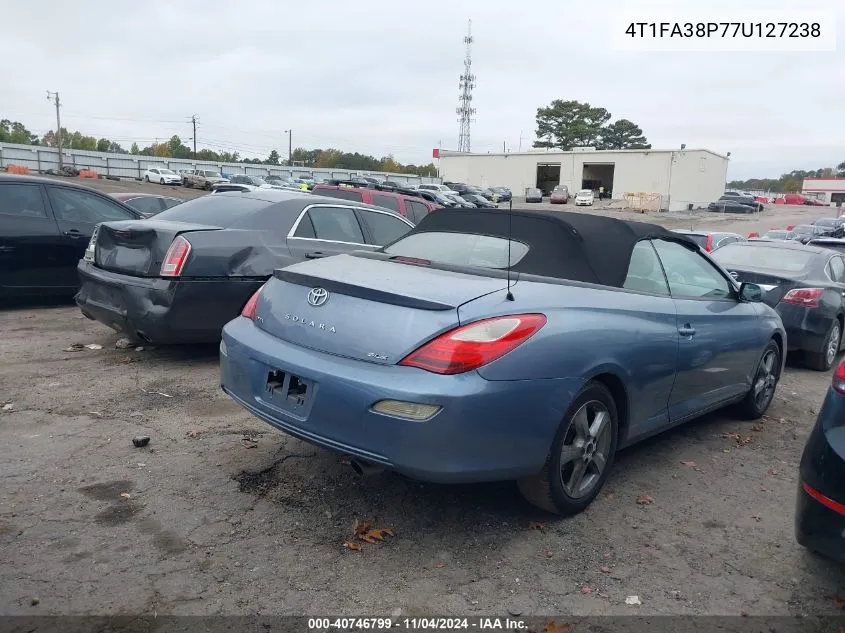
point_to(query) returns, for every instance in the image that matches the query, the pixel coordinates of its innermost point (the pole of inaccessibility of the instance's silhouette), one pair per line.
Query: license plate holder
(288, 390)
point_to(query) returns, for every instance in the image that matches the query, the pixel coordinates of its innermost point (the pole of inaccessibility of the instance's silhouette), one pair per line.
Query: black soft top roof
(575, 246)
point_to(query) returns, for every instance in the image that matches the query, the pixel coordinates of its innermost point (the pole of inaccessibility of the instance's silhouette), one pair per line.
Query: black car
(807, 232)
(504, 194)
(147, 204)
(805, 284)
(45, 225)
(182, 275)
(833, 227)
(831, 243)
(820, 509)
(729, 205)
(479, 201)
(742, 199)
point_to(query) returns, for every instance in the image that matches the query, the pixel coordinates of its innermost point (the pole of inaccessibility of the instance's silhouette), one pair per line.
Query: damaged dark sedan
(180, 276)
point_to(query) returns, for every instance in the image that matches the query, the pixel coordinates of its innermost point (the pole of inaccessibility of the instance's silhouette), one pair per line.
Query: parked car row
(478, 345)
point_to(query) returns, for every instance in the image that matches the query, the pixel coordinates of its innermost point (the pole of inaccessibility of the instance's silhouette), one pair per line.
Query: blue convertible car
(494, 344)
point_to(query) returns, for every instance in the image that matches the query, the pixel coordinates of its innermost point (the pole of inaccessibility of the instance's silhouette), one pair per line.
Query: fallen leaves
(548, 553)
(633, 600)
(757, 517)
(364, 532)
(125, 495)
(605, 569)
(644, 500)
(554, 627)
(193, 433)
(739, 439)
(585, 588)
(536, 525)
(439, 565)
(691, 464)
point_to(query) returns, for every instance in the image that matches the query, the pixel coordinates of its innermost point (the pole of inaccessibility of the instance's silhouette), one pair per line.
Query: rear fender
(235, 253)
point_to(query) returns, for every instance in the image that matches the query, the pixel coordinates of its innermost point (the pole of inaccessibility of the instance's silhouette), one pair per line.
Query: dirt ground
(220, 514)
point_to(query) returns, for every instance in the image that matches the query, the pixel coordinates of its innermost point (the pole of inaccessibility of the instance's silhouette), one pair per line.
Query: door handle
(686, 330)
(314, 255)
(73, 233)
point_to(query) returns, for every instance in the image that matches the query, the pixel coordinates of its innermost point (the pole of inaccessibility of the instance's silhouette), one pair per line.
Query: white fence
(39, 159)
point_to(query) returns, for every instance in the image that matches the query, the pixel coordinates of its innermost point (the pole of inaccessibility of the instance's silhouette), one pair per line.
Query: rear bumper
(158, 310)
(806, 328)
(485, 431)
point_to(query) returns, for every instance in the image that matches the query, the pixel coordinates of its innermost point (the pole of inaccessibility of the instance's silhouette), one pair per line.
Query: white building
(672, 179)
(828, 190)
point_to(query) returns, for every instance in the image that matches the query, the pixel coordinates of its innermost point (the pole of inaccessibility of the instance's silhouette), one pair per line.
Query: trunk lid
(375, 310)
(137, 247)
(774, 285)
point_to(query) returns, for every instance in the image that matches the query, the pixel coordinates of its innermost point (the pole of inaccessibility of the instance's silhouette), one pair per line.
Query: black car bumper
(806, 328)
(162, 311)
(820, 509)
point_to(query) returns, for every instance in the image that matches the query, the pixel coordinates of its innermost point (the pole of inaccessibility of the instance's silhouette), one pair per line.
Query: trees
(16, 132)
(622, 134)
(273, 158)
(567, 124)
(791, 182)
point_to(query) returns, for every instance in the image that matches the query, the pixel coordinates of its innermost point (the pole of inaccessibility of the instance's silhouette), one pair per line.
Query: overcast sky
(379, 77)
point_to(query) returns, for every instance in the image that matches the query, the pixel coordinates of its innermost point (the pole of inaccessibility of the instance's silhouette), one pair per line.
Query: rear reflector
(837, 507)
(807, 297)
(177, 255)
(839, 378)
(407, 410)
(249, 307)
(472, 346)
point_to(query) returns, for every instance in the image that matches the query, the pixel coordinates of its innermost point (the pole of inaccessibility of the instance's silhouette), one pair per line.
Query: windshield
(585, 192)
(258, 181)
(778, 235)
(167, 172)
(778, 258)
(459, 249)
(826, 222)
(804, 229)
(560, 188)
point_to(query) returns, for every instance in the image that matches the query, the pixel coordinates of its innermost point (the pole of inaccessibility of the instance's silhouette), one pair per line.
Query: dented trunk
(368, 309)
(138, 247)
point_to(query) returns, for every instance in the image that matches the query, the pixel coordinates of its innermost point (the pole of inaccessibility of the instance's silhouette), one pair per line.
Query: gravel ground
(220, 514)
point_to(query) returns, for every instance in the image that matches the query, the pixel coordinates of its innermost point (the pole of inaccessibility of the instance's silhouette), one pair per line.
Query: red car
(411, 207)
(560, 195)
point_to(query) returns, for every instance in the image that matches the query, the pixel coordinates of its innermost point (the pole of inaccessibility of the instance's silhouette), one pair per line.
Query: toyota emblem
(318, 296)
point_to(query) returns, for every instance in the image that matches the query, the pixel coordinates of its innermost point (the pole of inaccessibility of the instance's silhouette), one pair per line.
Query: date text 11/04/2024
(725, 29)
(416, 624)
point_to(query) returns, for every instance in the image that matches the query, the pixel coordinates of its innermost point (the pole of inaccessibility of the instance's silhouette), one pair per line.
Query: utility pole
(521, 138)
(465, 110)
(504, 147)
(290, 147)
(54, 98)
(194, 123)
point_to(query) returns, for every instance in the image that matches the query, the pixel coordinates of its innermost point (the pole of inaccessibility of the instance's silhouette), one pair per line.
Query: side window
(305, 228)
(644, 271)
(837, 270)
(384, 228)
(418, 211)
(344, 194)
(690, 275)
(387, 202)
(22, 200)
(74, 205)
(171, 202)
(335, 224)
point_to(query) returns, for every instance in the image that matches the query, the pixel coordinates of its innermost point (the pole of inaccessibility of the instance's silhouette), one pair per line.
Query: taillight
(91, 249)
(175, 258)
(807, 297)
(839, 378)
(824, 500)
(475, 345)
(708, 245)
(249, 307)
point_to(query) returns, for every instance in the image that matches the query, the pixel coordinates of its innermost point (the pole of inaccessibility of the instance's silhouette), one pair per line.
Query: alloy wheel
(586, 449)
(833, 343)
(766, 379)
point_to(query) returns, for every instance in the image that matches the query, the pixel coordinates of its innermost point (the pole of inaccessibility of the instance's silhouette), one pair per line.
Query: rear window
(218, 209)
(833, 246)
(459, 249)
(343, 194)
(763, 257)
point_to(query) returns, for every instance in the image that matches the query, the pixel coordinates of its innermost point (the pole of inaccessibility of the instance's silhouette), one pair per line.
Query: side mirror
(750, 292)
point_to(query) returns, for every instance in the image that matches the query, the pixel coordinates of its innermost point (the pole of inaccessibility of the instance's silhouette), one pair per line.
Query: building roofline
(446, 153)
(831, 178)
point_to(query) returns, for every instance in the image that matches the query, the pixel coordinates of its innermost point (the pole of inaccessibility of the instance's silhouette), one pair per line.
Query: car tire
(207, 186)
(161, 182)
(186, 184)
(764, 384)
(147, 178)
(577, 442)
(823, 359)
